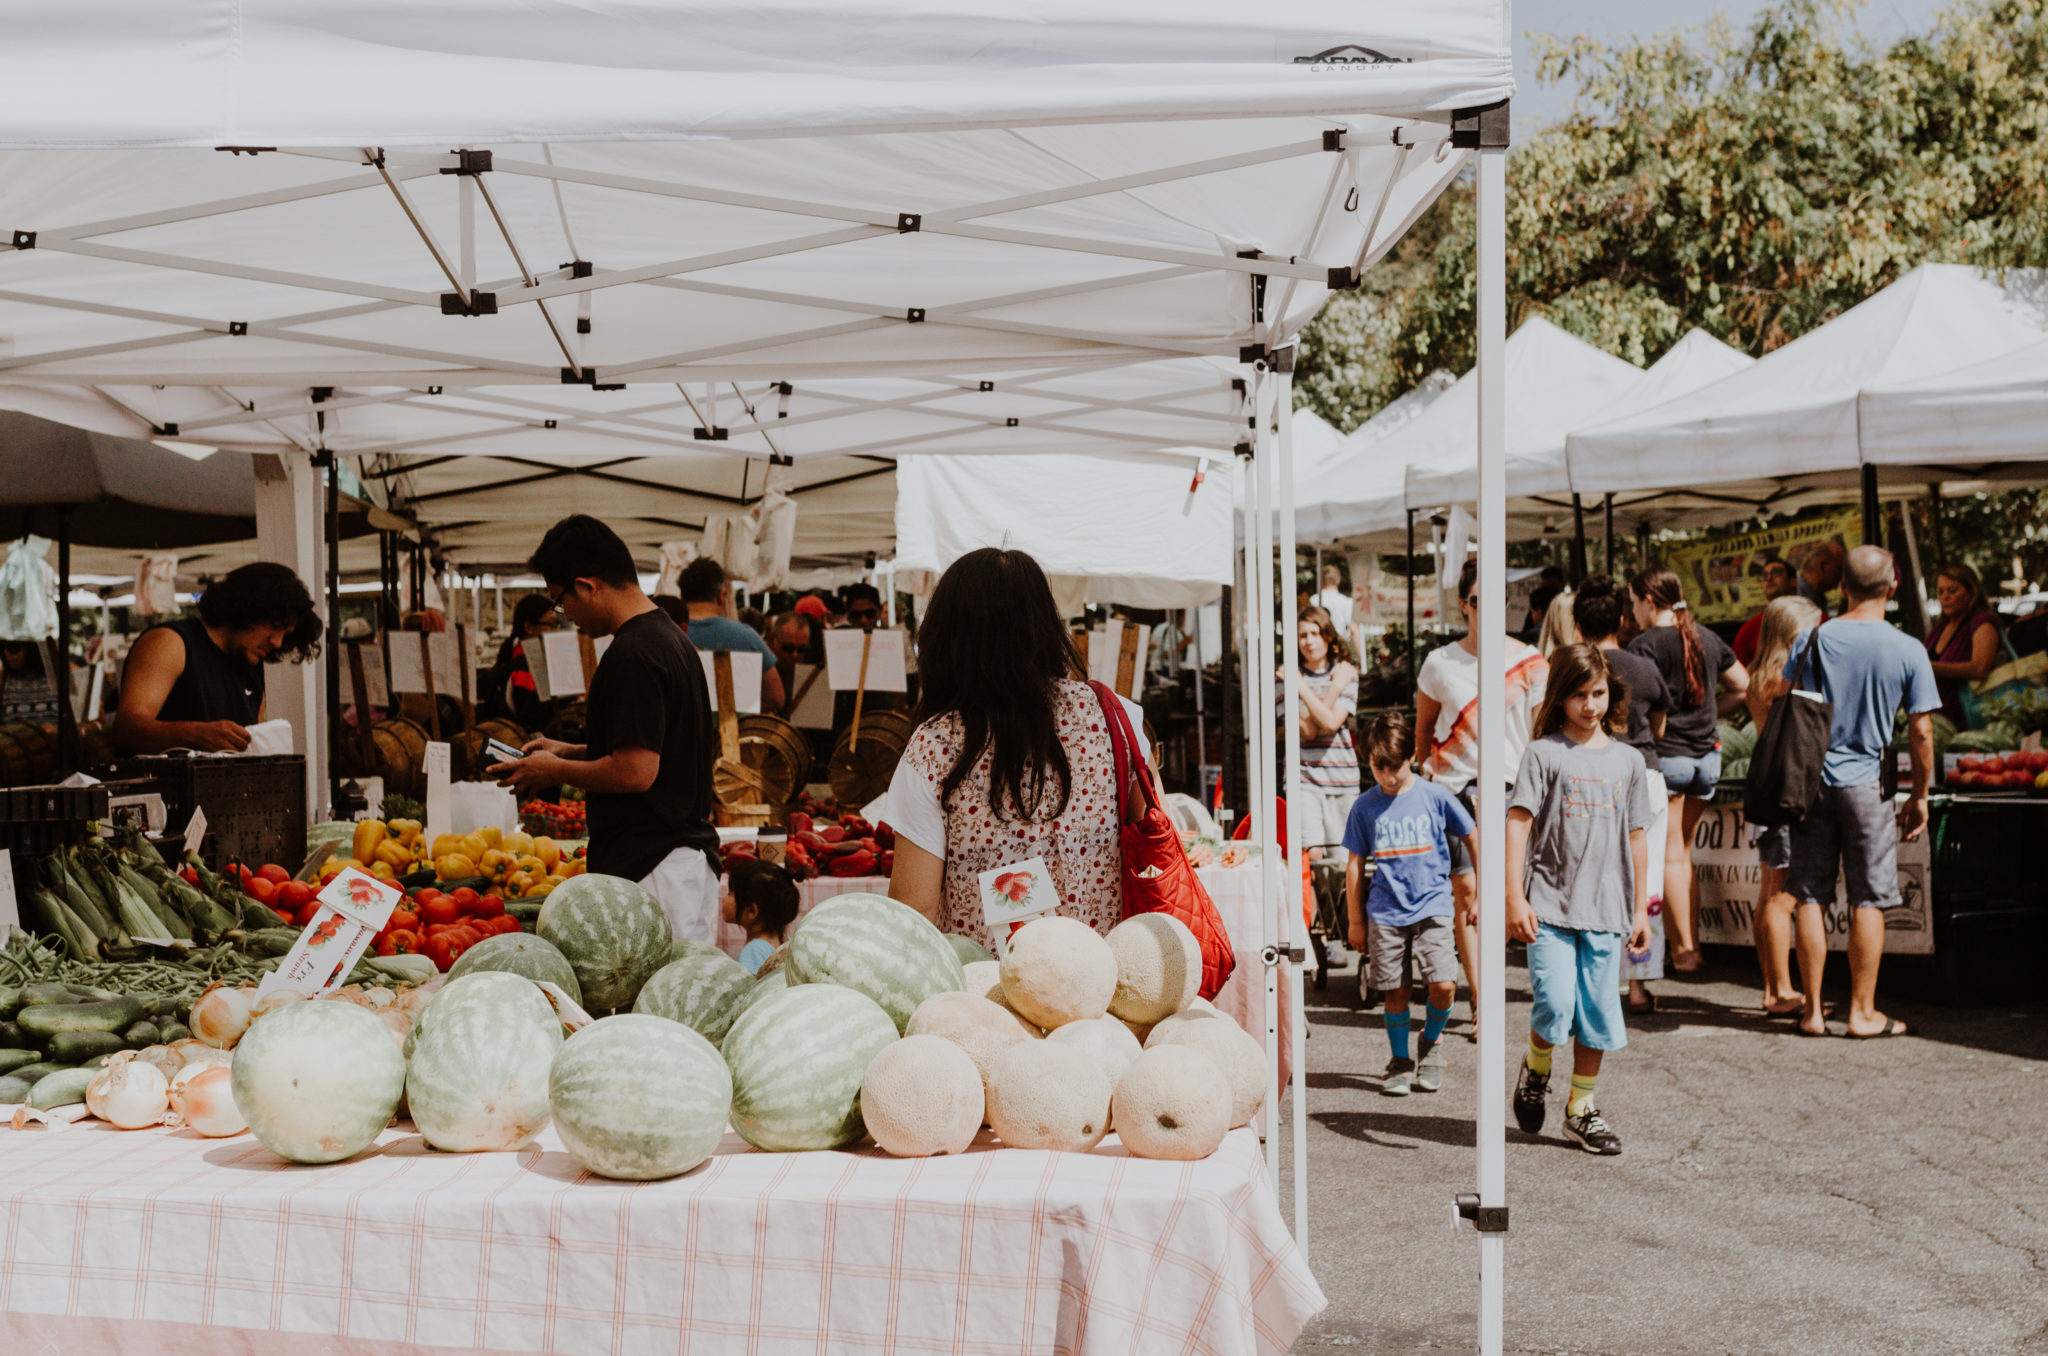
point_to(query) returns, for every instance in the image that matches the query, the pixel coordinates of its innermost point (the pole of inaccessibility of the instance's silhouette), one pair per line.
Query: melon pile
(872, 1023)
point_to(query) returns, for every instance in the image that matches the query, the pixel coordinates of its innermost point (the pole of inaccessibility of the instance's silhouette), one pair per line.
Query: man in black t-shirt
(645, 765)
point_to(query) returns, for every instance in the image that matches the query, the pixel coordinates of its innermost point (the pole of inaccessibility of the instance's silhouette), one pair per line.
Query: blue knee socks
(1433, 1028)
(1397, 1032)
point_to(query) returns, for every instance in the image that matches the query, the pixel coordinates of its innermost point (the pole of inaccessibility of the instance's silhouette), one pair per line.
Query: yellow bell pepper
(518, 885)
(445, 843)
(495, 863)
(407, 831)
(491, 834)
(570, 867)
(542, 887)
(518, 844)
(394, 855)
(549, 851)
(531, 865)
(454, 866)
(382, 870)
(369, 833)
(473, 847)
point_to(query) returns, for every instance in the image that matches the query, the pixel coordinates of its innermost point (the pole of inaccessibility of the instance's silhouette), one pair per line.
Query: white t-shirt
(912, 807)
(1450, 677)
(1337, 603)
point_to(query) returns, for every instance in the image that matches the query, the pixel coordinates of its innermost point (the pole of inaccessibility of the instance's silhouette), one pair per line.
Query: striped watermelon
(967, 949)
(774, 981)
(876, 946)
(690, 946)
(797, 1059)
(613, 933)
(702, 992)
(318, 1082)
(639, 1097)
(478, 1078)
(520, 953)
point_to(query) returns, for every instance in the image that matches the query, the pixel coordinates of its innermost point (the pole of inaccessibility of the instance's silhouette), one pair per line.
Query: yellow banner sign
(1723, 576)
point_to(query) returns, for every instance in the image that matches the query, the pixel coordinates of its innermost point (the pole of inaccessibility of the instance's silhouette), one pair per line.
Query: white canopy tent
(1976, 420)
(403, 235)
(1370, 465)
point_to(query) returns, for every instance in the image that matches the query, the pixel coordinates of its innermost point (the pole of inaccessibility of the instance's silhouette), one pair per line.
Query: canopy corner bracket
(1481, 128)
(1486, 1219)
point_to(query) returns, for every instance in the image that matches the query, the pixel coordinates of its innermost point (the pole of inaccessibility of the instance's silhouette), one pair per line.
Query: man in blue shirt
(708, 595)
(1867, 669)
(1405, 826)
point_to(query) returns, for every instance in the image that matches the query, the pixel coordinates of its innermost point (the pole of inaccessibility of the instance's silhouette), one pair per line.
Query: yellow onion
(129, 1095)
(221, 1016)
(203, 1097)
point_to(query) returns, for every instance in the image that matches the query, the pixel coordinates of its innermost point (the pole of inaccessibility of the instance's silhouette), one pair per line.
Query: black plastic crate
(255, 806)
(1981, 850)
(1992, 955)
(47, 804)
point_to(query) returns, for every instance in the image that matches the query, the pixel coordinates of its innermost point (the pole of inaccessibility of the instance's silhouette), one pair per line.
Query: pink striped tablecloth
(156, 1241)
(1236, 892)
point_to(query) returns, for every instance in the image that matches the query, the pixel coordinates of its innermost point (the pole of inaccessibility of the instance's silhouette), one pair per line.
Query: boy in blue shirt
(1405, 825)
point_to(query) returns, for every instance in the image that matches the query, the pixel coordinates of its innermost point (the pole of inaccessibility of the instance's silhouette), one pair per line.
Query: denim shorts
(1575, 979)
(1695, 777)
(1853, 830)
(1774, 846)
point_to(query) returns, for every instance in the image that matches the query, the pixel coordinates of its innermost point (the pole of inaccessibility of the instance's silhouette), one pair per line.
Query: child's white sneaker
(1399, 1079)
(1429, 1070)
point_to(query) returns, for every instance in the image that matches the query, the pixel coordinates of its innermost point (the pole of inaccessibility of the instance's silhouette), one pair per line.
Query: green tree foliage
(1756, 183)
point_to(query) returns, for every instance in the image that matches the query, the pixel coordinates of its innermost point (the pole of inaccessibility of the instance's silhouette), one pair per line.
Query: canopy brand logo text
(1349, 57)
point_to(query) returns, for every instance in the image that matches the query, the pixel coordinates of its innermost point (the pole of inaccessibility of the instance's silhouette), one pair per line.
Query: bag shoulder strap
(1811, 660)
(1123, 741)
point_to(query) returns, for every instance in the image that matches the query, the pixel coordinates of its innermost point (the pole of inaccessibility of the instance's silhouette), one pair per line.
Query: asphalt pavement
(1775, 1193)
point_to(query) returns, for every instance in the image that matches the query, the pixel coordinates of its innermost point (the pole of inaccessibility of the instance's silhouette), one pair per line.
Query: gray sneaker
(1399, 1080)
(1429, 1071)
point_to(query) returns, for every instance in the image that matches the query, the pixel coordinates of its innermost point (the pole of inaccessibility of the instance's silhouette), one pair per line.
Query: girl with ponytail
(1704, 679)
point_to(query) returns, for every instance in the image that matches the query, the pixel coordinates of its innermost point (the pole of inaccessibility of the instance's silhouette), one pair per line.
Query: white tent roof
(1360, 464)
(1794, 412)
(1971, 418)
(944, 228)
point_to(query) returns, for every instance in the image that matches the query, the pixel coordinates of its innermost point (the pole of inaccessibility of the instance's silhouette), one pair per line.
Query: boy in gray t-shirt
(1576, 864)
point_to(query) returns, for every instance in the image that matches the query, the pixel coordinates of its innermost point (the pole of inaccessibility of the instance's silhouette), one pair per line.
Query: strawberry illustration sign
(1015, 894)
(353, 906)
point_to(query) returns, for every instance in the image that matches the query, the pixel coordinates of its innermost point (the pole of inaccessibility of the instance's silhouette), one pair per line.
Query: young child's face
(727, 907)
(1586, 710)
(1393, 778)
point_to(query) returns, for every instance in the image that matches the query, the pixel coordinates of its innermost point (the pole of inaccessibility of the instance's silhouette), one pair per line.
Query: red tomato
(439, 909)
(399, 943)
(263, 891)
(275, 874)
(427, 894)
(485, 906)
(1993, 764)
(464, 898)
(305, 913)
(284, 920)
(403, 920)
(295, 893)
(505, 922)
(440, 950)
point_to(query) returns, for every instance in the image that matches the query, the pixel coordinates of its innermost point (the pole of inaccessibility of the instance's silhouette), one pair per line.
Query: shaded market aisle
(1776, 1193)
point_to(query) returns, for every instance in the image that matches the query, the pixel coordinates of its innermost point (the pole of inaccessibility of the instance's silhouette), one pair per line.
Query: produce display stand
(255, 804)
(155, 1241)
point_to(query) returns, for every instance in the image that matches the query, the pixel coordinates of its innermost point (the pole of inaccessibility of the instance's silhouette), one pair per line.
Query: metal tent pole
(1578, 540)
(1261, 698)
(1408, 570)
(60, 679)
(1607, 545)
(1491, 311)
(1288, 937)
(333, 636)
(1873, 512)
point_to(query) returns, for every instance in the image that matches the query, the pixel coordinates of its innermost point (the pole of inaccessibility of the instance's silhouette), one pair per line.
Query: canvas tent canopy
(1983, 419)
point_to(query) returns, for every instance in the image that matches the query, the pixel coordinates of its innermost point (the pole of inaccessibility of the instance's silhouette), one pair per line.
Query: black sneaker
(1532, 1092)
(1592, 1133)
(1399, 1080)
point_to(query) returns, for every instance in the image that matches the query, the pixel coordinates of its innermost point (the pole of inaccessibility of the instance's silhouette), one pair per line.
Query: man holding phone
(649, 742)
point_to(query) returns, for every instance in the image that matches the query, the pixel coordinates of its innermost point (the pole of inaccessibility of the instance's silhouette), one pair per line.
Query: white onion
(400, 1024)
(162, 1058)
(129, 1095)
(221, 1016)
(203, 1096)
(274, 1000)
(378, 997)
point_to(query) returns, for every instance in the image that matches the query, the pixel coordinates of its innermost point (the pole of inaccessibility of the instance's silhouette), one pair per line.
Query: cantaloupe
(1043, 1095)
(979, 1027)
(1173, 1102)
(1158, 967)
(1106, 1041)
(1058, 970)
(1240, 1059)
(921, 1096)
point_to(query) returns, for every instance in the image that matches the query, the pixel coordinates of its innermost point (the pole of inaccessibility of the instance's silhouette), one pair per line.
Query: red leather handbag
(1156, 875)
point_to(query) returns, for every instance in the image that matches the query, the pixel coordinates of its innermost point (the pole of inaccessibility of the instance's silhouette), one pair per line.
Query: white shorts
(1329, 812)
(687, 888)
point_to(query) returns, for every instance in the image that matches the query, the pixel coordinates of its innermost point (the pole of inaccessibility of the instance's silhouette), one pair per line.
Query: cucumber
(155, 1005)
(112, 1015)
(14, 1090)
(38, 995)
(12, 1037)
(76, 1047)
(10, 1060)
(96, 1062)
(66, 1087)
(141, 1036)
(270, 941)
(480, 884)
(10, 1002)
(35, 1073)
(408, 969)
(173, 1032)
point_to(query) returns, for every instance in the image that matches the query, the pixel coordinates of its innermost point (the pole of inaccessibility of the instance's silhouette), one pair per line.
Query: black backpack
(1785, 767)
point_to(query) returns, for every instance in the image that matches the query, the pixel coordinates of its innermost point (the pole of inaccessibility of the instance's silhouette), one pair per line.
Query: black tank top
(213, 686)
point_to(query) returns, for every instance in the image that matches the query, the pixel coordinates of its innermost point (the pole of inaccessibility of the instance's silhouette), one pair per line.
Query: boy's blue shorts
(1576, 977)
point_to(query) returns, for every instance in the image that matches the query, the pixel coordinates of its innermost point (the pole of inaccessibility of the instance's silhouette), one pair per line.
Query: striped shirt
(1450, 677)
(1328, 762)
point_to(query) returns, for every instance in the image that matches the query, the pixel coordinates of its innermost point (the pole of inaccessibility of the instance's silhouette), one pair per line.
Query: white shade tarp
(1973, 419)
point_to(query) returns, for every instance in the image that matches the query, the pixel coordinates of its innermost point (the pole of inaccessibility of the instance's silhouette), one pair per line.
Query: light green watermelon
(703, 992)
(876, 946)
(690, 946)
(478, 1077)
(967, 949)
(774, 981)
(639, 1097)
(520, 953)
(613, 933)
(797, 1059)
(318, 1082)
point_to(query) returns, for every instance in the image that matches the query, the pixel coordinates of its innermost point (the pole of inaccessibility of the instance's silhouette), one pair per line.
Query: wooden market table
(159, 1242)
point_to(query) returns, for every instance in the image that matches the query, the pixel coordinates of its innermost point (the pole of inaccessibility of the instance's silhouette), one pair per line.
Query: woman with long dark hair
(1011, 758)
(1962, 643)
(1694, 663)
(1329, 755)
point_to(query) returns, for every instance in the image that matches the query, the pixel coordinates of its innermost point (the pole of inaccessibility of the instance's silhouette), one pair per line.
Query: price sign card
(10, 908)
(376, 683)
(1015, 894)
(438, 766)
(353, 906)
(886, 669)
(558, 668)
(746, 680)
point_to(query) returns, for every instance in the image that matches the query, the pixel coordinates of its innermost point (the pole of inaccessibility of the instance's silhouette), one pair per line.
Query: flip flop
(1795, 1012)
(1798, 1030)
(1893, 1026)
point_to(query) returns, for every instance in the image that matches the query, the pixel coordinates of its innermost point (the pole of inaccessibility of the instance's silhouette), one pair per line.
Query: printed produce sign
(1723, 576)
(1726, 879)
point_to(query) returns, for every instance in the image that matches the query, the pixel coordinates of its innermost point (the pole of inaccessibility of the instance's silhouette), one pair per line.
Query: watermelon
(797, 1059)
(639, 1097)
(520, 953)
(317, 1082)
(690, 946)
(613, 933)
(478, 1078)
(774, 981)
(967, 949)
(876, 946)
(702, 992)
